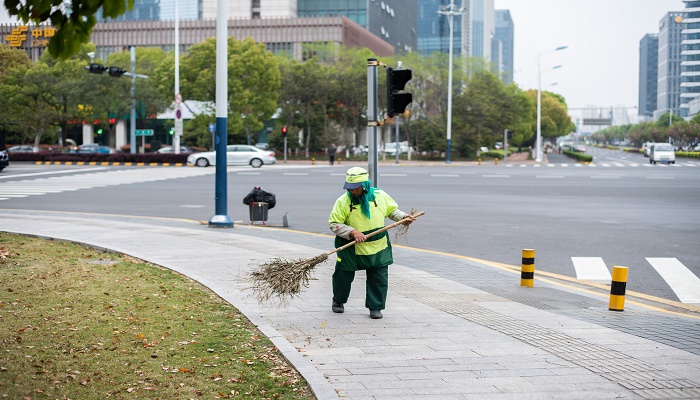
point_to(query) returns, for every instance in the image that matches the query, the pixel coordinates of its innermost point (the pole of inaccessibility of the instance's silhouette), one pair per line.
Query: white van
(646, 148)
(662, 152)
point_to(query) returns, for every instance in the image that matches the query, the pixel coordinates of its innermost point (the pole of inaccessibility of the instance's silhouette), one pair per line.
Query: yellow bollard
(527, 273)
(495, 160)
(339, 160)
(313, 161)
(617, 289)
(479, 161)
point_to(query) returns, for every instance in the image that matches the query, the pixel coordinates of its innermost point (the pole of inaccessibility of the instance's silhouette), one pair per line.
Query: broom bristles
(283, 279)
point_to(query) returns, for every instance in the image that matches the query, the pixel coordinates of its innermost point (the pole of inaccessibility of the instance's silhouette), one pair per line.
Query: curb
(114, 164)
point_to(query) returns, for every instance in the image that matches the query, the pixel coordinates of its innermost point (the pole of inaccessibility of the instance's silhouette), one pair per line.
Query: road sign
(597, 121)
(143, 132)
(178, 98)
(212, 127)
(178, 114)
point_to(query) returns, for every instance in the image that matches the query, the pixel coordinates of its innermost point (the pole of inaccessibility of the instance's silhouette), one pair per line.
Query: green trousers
(377, 286)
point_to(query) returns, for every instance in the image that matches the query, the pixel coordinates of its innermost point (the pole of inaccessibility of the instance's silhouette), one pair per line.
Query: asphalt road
(621, 209)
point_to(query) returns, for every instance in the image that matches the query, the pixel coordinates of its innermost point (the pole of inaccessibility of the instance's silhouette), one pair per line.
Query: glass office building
(504, 42)
(690, 54)
(648, 74)
(669, 76)
(434, 29)
(395, 21)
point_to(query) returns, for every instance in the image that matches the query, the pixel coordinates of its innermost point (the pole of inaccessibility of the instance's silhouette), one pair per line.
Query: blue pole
(221, 219)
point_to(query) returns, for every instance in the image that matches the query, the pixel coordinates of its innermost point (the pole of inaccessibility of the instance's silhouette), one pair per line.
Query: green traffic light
(99, 131)
(172, 131)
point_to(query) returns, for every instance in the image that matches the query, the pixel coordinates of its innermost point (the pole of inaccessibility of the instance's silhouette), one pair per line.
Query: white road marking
(660, 177)
(66, 171)
(549, 176)
(496, 176)
(683, 282)
(393, 175)
(445, 175)
(591, 269)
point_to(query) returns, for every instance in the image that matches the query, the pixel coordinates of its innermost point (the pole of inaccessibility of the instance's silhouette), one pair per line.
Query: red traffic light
(284, 130)
(96, 68)
(116, 72)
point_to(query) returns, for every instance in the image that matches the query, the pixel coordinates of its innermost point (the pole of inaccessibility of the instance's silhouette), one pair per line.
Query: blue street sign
(212, 127)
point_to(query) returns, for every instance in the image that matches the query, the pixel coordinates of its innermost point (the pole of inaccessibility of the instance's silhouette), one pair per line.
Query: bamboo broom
(285, 279)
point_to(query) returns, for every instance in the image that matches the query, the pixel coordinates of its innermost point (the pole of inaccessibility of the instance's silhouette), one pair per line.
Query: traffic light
(284, 131)
(96, 68)
(172, 131)
(116, 71)
(99, 131)
(395, 82)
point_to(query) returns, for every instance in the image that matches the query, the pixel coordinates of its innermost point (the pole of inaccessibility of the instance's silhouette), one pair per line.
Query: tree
(253, 84)
(73, 22)
(10, 59)
(555, 120)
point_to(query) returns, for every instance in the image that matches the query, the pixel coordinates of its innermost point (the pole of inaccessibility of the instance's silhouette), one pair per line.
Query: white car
(236, 154)
(662, 152)
(171, 150)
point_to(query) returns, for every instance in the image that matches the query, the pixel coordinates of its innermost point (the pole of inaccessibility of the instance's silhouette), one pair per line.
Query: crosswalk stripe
(681, 280)
(591, 269)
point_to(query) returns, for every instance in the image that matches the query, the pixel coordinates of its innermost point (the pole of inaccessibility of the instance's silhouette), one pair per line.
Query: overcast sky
(601, 66)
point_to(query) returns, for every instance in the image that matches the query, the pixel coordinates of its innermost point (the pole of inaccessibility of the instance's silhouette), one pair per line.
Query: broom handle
(386, 228)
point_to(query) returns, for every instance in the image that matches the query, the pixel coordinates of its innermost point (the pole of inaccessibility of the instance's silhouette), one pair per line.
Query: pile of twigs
(284, 279)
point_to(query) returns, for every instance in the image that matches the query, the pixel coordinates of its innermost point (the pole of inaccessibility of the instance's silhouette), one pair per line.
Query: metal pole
(449, 91)
(505, 146)
(221, 219)
(178, 127)
(372, 159)
(538, 157)
(397, 139)
(132, 136)
(285, 149)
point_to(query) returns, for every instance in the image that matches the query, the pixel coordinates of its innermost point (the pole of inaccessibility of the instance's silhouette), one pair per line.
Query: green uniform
(374, 255)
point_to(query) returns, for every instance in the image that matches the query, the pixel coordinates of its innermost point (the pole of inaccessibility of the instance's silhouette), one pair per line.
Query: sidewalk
(454, 328)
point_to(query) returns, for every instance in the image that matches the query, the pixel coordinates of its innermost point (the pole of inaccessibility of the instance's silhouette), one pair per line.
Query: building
(186, 10)
(395, 21)
(502, 54)
(669, 74)
(690, 57)
(482, 17)
(280, 35)
(648, 74)
(144, 10)
(434, 29)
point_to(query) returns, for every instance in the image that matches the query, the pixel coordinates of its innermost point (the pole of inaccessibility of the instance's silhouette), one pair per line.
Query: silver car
(236, 154)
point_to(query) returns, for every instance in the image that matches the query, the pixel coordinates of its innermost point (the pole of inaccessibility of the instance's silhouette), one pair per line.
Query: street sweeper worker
(358, 212)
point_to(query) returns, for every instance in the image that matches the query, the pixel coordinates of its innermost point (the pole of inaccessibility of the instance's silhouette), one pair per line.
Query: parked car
(390, 148)
(236, 154)
(580, 148)
(662, 152)
(171, 149)
(21, 149)
(4, 159)
(92, 148)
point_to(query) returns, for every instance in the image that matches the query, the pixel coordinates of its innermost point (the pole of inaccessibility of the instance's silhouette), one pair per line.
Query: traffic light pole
(372, 122)
(132, 119)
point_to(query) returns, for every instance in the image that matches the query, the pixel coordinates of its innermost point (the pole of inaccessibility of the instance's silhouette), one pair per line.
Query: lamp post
(538, 143)
(450, 10)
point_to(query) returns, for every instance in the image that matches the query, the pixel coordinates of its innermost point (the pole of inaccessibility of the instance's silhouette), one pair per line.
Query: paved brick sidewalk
(470, 334)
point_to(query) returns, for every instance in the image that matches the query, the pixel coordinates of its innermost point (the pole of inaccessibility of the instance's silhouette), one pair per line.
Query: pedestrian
(358, 212)
(331, 153)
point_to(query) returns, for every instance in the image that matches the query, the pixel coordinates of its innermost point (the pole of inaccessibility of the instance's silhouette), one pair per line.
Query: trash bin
(258, 212)
(258, 202)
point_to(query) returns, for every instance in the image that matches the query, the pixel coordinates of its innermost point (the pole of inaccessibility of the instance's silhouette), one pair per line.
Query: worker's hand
(358, 236)
(410, 218)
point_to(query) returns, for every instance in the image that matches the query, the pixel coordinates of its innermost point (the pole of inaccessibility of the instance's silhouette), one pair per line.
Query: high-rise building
(251, 9)
(690, 54)
(434, 29)
(669, 75)
(503, 42)
(648, 74)
(395, 21)
(144, 10)
(187, 10)
(482, 16)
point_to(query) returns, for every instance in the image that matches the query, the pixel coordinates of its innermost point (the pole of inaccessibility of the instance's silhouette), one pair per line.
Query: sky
(600, 67)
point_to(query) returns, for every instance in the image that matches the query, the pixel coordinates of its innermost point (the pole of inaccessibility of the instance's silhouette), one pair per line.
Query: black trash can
(259, 202)
(258, 212)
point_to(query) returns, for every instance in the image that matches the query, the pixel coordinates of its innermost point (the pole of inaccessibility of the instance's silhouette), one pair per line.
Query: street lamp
(450, 10)
(538, 144)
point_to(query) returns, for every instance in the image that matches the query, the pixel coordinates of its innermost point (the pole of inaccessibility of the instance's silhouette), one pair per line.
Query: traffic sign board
(178, 114)
(212, 127)
(178, 98)
(143, 132)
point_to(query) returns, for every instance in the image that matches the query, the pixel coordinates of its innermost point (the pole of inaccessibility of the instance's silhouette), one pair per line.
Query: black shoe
(338, 307)
(375, 314)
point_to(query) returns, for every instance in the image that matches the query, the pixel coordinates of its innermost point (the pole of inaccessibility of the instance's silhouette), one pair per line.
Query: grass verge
(82, 324)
